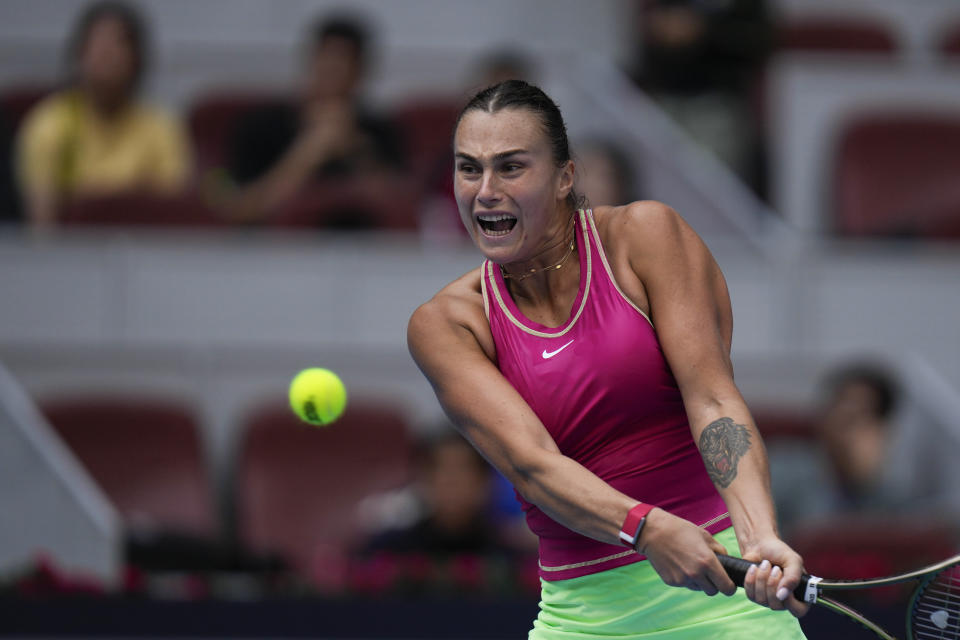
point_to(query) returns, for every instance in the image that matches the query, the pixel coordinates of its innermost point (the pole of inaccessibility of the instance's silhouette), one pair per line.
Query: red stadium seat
(950, 41)
(212, 118)
(297, 486)
(835, 34)
(140, 209)
(146, 455)
(897, 175)
(780, 423)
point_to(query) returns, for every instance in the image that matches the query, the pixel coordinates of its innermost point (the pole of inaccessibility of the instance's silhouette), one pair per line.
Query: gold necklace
(526, 274)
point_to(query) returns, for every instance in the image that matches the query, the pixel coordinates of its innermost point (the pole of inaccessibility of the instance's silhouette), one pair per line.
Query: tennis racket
(933, 612)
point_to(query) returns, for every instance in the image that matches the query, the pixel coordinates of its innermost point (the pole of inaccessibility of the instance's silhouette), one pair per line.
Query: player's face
(510, 192)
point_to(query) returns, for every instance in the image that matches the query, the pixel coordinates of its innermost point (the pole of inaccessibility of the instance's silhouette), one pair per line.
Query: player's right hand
(775, 574)
(683, 554)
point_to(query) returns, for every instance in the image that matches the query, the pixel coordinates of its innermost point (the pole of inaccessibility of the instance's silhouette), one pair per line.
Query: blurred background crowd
(197, 199)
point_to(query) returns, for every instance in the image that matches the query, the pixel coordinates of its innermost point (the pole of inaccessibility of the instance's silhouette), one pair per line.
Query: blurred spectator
(453, 487)
(855, 431)
(847, 471)
(450, 531)
(95, 137)
(701, 61)
(605, 173)
(325, 134)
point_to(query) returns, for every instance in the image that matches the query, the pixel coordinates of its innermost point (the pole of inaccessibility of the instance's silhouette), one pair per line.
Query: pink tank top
(603, 389)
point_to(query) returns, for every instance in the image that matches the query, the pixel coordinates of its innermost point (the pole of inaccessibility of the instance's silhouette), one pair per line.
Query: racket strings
(936, 608)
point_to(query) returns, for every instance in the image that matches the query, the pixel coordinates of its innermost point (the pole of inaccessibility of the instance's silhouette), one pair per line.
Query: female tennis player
(588, 360)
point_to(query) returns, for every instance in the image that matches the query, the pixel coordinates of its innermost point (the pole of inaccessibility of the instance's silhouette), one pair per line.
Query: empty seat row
(294, 488)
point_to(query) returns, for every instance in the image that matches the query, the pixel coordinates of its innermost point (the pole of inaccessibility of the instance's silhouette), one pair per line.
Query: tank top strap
(484, 289)
(606, 282)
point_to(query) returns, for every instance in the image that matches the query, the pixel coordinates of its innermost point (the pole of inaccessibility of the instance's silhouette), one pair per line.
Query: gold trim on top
(622, 554)
(484, 292)
(709, 523)
(606, 265)
(589, 563)
(583, 301)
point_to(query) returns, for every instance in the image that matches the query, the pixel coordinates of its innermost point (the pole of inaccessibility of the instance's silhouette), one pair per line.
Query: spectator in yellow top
(95, 137)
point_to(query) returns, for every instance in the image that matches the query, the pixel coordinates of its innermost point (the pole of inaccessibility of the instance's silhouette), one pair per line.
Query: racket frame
(811, 588)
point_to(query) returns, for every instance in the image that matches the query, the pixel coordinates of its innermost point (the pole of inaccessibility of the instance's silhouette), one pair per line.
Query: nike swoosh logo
(549, 354)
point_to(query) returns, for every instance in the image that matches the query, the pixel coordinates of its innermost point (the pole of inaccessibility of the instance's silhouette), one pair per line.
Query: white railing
(49, 504)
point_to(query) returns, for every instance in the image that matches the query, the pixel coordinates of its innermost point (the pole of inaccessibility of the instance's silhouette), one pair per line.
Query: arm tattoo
(722, 444)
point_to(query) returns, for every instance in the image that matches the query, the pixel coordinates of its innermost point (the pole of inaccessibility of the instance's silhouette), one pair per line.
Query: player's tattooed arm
(722, 444)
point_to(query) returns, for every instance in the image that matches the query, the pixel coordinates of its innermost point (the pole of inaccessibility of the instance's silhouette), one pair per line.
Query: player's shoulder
(643, 217)
(645, 226)
(458, 303)
(451, 320)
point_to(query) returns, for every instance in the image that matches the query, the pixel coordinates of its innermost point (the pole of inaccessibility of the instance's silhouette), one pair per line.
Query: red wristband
(632, 526)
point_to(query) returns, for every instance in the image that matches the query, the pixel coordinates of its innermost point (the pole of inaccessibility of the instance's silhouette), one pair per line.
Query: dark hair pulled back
(517, 94)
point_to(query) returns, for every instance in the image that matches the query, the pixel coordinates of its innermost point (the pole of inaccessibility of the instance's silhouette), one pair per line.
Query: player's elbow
(529, 471)
(415, 325)
(708, 387)
(714, 403)
(413, 330)
(421, 325)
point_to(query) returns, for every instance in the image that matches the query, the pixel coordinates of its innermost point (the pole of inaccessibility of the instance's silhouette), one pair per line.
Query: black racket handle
(737, 570)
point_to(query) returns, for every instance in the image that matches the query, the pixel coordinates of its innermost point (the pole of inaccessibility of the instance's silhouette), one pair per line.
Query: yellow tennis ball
(317, 396)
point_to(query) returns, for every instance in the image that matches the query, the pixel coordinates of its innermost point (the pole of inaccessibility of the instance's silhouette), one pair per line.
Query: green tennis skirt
(633, 602)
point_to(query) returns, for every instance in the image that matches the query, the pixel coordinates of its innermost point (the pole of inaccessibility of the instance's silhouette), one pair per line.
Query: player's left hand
(776, 573)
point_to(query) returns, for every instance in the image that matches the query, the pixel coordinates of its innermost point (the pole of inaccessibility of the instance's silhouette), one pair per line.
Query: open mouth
(499, 224)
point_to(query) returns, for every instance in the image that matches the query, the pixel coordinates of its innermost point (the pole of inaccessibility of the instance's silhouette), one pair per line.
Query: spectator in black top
(701, 60)
(855, 432)
(453, 485)
(851, 467)
(325, 137)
